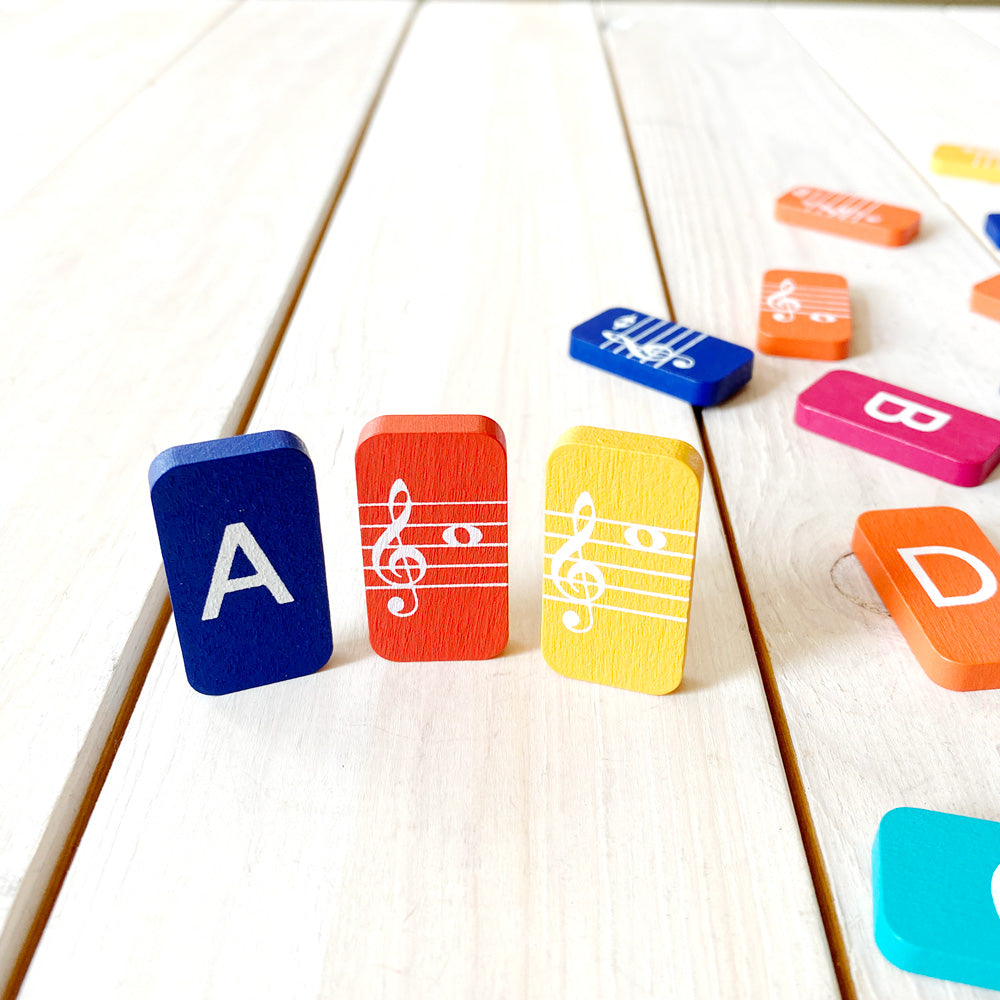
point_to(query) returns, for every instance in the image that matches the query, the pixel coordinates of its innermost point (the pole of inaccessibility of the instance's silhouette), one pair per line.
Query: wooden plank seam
(236, 424)
(786, 749)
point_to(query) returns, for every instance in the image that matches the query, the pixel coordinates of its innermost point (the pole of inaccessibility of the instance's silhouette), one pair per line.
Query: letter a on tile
(943, 597)
(238, 521)
(621, 522)
(432, 502)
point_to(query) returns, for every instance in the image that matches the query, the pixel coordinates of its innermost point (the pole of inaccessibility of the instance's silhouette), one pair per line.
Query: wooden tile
(432, 502)
(936, 887)
(238, 521)
(675, 359)
(804, 314)
(937, 574)
(986, 297)
(992, 228)
(922, 433)
(848, 215)
(967, 161)
(621, 520)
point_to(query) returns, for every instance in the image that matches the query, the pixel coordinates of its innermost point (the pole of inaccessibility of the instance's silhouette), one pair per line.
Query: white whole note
(473, 536)
(634, 537)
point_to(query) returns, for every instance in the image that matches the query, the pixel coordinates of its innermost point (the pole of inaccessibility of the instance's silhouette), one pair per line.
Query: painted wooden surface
(855, 216)
(986, 297)
(238, 525)
(804, 314)
(666, 356)
(897, 424)
(937, 574)
(488, 828)
(144, 282)
(937, 895)
(923, 77)
(480, 828)
(70, 68)
(440, 480)
(621, 531)
(869, 732)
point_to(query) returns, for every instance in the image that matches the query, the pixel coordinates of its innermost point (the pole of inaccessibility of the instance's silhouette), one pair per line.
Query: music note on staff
(847, 215)
(582, 582)
(650, 347)
(804, 314)
(618, 557)
(675, 359)
(434, 539)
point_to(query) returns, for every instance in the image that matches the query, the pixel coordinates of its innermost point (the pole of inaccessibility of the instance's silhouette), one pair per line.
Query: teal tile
(936, 880)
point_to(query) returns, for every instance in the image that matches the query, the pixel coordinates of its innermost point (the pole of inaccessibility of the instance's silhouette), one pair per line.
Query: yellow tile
(967, 161)
(621, 521)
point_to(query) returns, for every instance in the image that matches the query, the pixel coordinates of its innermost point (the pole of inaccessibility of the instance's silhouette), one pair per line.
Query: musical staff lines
(786, 299)
(630, 586)
(843, 207)
(648, 347)
(404, 566)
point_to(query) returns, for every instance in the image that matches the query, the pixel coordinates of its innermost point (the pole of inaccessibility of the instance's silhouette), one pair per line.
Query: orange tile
(937, 574)
(986, 297)
(848, 215)
(804, 314)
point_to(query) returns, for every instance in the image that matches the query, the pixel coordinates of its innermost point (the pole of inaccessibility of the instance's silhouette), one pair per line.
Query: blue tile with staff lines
(675, 359)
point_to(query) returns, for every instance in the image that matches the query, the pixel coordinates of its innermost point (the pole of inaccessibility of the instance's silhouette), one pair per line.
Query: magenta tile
(922, 433)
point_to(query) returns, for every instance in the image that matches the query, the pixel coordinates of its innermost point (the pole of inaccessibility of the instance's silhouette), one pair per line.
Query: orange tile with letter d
(937, 574)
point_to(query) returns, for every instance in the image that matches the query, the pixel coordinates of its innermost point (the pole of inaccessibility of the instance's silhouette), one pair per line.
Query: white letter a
(237, 536)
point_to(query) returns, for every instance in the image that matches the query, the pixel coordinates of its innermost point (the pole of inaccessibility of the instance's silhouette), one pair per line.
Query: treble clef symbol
(583, 582)
(406, 564)
(783, 306)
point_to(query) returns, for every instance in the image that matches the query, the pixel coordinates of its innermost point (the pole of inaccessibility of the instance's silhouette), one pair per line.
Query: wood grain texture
(440, 593)
(72, 67)
(937, 574)
(476, 829)
(621, 527)
(868, 732)
(144, 282)
(238, 525)
(919, 76)
(928, 435)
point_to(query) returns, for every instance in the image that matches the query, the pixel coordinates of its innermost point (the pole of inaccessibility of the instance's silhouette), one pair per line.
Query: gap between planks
(239, 420)
(786, 748)
(775, 7)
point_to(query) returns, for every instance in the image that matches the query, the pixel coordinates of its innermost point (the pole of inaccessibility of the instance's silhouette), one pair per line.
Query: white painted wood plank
(68, 70)
(922, 78)
(485, 829)
(984, 21)
(142, 285)
(726, 114)
(14, 13)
